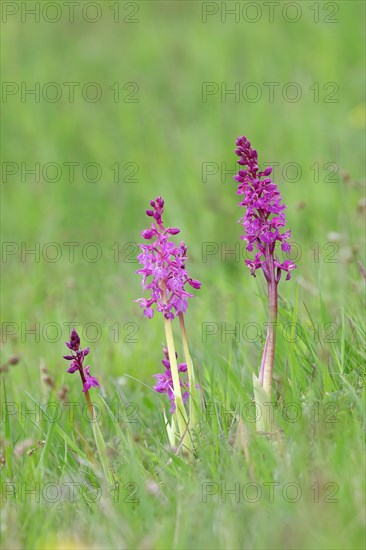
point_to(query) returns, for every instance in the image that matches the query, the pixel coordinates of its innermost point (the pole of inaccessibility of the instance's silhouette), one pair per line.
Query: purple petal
(73, 367)
(149, 312)
(90, 381)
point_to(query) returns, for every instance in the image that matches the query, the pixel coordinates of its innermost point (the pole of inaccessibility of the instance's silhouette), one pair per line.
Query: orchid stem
(98, 437)
(90, 406)
(180, 410)
(269, 350)
(263, 390)
(192, 385)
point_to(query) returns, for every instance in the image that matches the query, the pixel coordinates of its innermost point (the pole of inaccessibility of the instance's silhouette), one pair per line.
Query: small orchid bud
(148, 234)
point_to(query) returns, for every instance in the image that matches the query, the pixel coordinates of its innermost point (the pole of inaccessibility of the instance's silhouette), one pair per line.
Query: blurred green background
(165, 133)
(169, 134)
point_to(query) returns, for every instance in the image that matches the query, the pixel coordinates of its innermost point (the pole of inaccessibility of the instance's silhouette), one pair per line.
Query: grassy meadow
(97, 119)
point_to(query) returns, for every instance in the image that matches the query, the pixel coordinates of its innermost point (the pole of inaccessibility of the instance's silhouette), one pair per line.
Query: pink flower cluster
(163, 272)
(165, 381)
(264, 214)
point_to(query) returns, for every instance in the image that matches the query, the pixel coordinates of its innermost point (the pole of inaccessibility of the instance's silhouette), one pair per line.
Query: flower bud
(194, 283)
(147, 234)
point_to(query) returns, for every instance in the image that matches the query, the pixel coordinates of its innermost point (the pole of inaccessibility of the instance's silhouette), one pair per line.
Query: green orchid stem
(99, 440)
(192, 386)
(271, 338)
(263, 394)
(90, 406)
(182, 419)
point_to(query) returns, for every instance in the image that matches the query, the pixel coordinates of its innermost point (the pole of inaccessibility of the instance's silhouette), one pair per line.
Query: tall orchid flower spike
(263, 221)
(165, 278)
(163, 271)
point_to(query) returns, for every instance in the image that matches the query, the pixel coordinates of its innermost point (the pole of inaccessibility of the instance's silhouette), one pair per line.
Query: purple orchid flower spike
(263, 220)
(166, 279)
(77, 360)
(264, 215)
(163, 268)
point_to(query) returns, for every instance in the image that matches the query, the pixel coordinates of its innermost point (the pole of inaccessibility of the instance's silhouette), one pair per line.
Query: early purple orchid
(77, 360)
(263, 220)
(165, 276)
